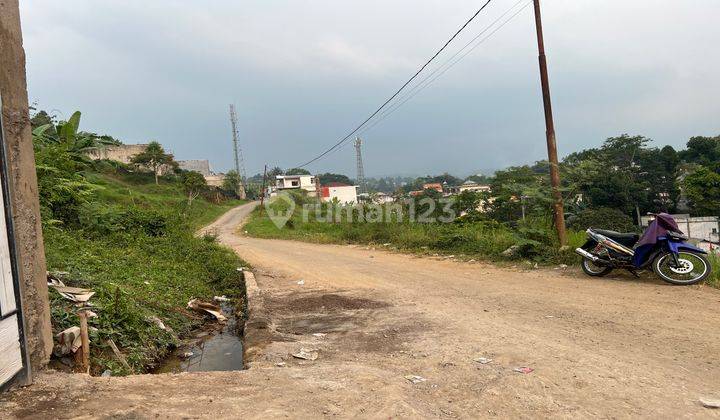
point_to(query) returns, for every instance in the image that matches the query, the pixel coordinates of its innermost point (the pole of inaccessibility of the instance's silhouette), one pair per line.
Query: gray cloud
(303, 73)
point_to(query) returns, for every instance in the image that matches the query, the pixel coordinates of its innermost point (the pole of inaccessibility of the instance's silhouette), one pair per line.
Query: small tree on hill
(232, 182)
(193, 184)
(154, 157)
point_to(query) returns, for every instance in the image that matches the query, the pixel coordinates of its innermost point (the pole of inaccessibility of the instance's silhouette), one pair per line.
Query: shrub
(104, 219)
(602, 218)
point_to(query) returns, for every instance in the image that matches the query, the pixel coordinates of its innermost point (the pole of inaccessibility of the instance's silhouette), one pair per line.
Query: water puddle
(220, 351)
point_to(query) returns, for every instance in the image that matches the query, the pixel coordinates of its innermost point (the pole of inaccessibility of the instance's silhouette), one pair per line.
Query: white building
(345, 194)
(295, 182)
(471, 186)
(701, 228)
(382, 198)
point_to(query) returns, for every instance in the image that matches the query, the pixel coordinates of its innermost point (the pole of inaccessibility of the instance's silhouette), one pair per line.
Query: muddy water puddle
(217, 351)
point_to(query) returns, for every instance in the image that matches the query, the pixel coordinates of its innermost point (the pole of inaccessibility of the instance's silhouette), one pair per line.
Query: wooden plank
(10, 356)
(7, 290)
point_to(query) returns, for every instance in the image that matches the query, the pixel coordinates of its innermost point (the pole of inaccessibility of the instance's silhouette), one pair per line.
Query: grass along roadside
(476, 238)
(473, 237)
(134, 245)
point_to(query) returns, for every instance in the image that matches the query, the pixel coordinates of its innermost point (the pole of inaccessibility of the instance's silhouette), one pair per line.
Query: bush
(602, 218)
(104, 219)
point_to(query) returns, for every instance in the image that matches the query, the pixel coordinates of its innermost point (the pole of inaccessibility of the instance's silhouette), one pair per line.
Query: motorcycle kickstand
(634, 273)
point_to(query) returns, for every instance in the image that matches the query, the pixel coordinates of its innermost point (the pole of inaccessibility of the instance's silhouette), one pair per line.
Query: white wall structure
(295, 182)
(345, 194)
(702, 228)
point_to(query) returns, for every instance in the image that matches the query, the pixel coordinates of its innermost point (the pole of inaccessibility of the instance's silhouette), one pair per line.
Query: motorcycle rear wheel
(693, 268)
(594, 270)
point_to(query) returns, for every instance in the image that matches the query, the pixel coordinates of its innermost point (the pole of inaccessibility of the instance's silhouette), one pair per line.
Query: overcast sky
(304, 73)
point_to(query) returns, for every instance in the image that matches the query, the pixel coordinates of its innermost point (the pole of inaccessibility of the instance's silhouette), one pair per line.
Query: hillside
(133, 244)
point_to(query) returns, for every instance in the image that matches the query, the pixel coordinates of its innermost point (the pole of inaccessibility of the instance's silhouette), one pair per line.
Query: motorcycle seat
(627, 239)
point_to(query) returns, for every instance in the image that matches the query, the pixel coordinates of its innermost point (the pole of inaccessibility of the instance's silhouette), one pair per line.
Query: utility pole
(360, 169)
(239, 162)
(262, 193)
(558, 210)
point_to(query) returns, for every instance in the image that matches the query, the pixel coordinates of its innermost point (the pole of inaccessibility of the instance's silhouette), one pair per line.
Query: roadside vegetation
(605, 187)
(129, 236)
(473, 235)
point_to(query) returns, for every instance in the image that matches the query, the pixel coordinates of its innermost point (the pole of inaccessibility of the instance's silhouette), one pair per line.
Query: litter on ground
(483, 360)
(415, 379)
(306, 354)
(523, 369)
(212, 309)
(710, 403)
(74, 294)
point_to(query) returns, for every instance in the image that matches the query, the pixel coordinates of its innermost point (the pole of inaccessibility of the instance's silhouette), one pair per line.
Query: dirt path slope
(599, 348)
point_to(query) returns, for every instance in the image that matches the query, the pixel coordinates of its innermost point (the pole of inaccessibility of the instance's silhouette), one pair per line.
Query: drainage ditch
(219, 350)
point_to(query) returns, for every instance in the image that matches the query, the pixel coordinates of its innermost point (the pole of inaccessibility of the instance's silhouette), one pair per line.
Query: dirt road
(599, 348)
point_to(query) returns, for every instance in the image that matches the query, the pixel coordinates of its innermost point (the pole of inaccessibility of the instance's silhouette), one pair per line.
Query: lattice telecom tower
(360, 170)
(239, 161)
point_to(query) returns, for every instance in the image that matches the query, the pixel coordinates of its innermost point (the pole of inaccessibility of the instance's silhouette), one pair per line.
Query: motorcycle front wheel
(692, 268)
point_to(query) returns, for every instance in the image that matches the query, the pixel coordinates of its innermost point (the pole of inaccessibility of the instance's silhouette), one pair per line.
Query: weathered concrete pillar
(23, 187)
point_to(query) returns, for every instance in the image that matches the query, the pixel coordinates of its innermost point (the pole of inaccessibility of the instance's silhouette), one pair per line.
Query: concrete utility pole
(239, 161)
(22, 193)
(558, 210)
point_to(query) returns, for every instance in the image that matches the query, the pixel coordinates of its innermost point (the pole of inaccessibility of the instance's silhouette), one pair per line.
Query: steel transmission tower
(239, 161)
(360, 170)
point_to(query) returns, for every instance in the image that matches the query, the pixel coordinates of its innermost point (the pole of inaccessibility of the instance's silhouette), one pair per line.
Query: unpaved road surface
(612, 348)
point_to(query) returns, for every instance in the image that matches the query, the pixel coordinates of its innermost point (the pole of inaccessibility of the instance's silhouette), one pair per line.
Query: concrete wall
(215, 180)
(344, 195)
(122, 153)
(198, 165)
(23, 187)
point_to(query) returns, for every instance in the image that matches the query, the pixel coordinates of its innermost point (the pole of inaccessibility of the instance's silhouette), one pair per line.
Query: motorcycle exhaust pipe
(592, 257)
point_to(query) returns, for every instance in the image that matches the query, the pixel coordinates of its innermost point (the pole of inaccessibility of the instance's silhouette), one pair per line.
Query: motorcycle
(663, 247)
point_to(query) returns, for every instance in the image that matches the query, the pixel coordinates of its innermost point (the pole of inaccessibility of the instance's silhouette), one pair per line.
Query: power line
(402, 87)
(443, 68)
(420, 87)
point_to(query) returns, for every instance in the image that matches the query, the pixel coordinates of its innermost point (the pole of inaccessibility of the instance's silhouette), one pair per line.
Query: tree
(327, 178)
(467, 202)
(67, 135)
(232, 181)
(297, 171)
(702, 188)
(703, 150)
(193, 183)
(272, 173)
(154, 157)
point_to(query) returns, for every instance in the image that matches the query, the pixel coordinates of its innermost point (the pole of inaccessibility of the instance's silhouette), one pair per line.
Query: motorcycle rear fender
(589, 245)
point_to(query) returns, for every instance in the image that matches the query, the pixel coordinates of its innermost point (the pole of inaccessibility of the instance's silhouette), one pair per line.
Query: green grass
(479, 239)
(136, 274)
(168, 196)
(714, 279)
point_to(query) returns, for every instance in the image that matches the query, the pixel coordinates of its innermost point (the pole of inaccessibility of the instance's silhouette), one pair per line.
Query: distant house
(382, 198)
(471, 186)
(436, 186)
(343, 193)
(295, 182)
